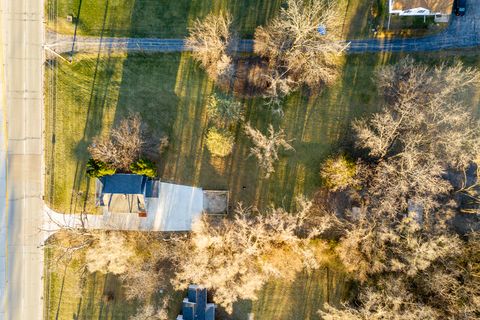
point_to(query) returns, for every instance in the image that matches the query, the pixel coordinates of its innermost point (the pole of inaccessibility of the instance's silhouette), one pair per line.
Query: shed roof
(442, 6)
(124, 184)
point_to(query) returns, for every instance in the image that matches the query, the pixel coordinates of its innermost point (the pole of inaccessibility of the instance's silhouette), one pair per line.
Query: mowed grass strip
(170, 19)
(152, 18)
(170, 92)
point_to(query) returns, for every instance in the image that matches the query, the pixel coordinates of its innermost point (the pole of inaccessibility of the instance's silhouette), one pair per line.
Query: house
(123, 193)
(135, 202)
(195, 306)
(437, 8)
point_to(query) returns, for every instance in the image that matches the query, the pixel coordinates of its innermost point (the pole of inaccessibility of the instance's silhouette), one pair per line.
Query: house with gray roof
(135, 202)
(123, 193)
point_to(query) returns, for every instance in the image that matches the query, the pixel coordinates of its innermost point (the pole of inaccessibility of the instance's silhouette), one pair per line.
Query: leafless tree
(123, 146)
(145, 274)
(423, 131)
(211, 41)
(266, 147)
(111, 253)
(449, 288)
(302, 45)
(236, 257)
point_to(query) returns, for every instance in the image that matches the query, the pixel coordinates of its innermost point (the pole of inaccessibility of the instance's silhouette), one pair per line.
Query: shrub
(219, 142)
(97, 169)
(144, 167)
(224, 111)
(339, 173)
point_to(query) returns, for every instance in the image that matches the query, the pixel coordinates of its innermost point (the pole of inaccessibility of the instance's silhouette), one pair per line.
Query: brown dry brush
(449, 288)
(399, 244)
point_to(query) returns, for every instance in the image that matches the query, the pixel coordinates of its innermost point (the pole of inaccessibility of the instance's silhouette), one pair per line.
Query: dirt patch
(249, 78)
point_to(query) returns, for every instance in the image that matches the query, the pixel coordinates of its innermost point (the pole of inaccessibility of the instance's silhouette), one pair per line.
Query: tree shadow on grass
(100, 88)
(299, 299)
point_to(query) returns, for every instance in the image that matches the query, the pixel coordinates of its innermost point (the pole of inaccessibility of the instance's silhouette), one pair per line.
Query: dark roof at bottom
(124, 184)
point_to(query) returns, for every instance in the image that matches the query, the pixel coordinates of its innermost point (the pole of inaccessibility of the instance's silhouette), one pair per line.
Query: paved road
(463, 32)
(22, 33)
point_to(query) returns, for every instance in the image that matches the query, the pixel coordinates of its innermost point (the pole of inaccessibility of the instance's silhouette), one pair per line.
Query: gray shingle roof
(124, 184)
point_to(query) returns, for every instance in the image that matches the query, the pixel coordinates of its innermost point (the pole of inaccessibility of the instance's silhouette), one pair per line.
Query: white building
(437, 8)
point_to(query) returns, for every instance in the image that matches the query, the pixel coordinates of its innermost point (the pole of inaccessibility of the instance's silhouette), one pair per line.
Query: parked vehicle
(459, 7)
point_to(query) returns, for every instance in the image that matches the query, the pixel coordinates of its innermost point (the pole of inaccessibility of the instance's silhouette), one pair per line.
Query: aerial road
(21, 205)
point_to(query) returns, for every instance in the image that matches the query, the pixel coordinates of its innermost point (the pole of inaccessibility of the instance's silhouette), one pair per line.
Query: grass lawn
(66, 297)
(170, 91)
(152, 18)
(170, 19)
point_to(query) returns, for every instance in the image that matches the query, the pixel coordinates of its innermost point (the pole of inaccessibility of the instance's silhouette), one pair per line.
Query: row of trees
(300, 46)
(400, 244)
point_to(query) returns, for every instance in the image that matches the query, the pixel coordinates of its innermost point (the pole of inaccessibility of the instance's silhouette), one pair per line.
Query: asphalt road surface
(462, 32)
(21, 156)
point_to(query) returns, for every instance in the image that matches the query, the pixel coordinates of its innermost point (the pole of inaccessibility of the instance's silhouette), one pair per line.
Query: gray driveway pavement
(463, 32)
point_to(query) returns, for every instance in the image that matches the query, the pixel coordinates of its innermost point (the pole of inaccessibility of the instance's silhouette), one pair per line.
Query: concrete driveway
(173, 208)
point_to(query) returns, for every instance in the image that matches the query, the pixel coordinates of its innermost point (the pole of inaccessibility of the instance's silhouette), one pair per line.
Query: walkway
(463, 32)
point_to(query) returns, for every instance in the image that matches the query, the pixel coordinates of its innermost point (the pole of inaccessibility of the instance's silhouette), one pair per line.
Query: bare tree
(111, 253)
(302, 45)
(236, 257)
(211, 40)
(449, 288)
(145, 275)
(423, 131)
(392, 301)
(123, 146)
(266, 147)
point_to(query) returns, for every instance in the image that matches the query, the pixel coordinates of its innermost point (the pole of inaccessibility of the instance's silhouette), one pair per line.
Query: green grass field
(170, 19)
(170, 91)
(148, 18)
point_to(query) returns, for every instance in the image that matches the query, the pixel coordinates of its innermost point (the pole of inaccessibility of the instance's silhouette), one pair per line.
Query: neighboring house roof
(124, 184)
(195, 306)
(436, 6)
